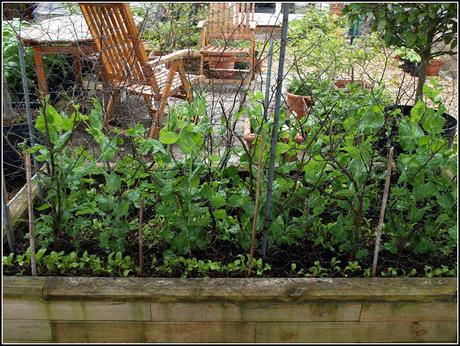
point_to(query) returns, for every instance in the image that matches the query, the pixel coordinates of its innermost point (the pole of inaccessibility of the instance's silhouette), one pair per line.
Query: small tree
(420, 26)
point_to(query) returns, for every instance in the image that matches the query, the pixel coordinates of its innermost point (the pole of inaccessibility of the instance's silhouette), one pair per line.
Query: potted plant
(336, 8)
(299, 97)
(401, 24)
(434, 66)
(343, 83)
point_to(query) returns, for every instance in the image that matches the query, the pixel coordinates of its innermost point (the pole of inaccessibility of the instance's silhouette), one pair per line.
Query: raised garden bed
(75, 309)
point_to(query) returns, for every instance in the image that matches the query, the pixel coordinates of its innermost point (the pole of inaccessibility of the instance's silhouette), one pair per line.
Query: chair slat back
(230, 20)
(119, 42)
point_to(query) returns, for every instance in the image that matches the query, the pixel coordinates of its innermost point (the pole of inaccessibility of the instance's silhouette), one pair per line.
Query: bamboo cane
(28, 167)
(141, 230)
(382, 211)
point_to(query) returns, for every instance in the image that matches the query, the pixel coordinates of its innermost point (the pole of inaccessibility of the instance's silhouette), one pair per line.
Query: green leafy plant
(419, 27)
(408, 54)
(300, 87)
(179, 30)
(196, 203)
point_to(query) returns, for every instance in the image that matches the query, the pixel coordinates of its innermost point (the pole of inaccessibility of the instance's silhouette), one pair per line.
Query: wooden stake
(28, 167)
(141, 230)
(382, 211)
(256, 209)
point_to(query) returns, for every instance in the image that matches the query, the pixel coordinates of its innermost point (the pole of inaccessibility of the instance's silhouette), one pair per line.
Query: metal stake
(274, 139)
(269, 77)
(25, 87)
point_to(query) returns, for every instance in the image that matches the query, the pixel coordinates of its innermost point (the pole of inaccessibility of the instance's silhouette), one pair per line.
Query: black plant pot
(450, 126)
(410, 67)
(13, 164)
(448, 131)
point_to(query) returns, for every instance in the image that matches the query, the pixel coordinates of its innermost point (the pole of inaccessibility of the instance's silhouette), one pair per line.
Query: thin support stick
(382, 212)
(269, 78)
(141, 230)
(274, 138)
(30, 123)
(6, 219)
(256, 209)
(28, 165)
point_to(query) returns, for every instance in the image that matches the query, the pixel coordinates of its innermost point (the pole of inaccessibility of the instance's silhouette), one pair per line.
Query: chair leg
(114, 98)
(202, 65)
(155, 128)
(185, 83)
(148, 102)
(153, 114)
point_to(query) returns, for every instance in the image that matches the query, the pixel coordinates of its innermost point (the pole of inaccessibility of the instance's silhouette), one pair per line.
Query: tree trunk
(421, 79)
(426, 55)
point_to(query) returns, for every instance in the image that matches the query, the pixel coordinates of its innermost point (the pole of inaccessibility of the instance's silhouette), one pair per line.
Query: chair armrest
(180, 54)
(202, 23)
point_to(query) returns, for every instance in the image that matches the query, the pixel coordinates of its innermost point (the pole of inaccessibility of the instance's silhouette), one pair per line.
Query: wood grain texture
(25, 330)
(22, 309)
(25, 287)
(153, 331)
(99, 311)
(78, 309)
(18, 205)
(356, 332)
(251, 289)
(436, 311)
(249, 312)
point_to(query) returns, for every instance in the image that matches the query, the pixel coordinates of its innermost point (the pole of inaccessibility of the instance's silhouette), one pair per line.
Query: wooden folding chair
(126, 65)
(228, 22)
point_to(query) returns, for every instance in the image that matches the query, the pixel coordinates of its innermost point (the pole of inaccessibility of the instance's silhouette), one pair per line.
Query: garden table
(59, 35)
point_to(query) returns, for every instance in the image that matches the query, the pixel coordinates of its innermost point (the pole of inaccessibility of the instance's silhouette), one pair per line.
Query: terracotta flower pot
(222, 65)
(298, 104)
(433, 67)
(248, 136)
(342, 83)
(336, 8)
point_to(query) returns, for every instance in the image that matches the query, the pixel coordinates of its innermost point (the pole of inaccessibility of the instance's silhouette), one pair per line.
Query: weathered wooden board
(24, 287)
(153, 331)
(24, 309)
(67, 309)
(20, 309)
(17, 206)
(25, 330)
(250, 289)
(263, 311)
(356, 332)
(99, 311)
(433, 311)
